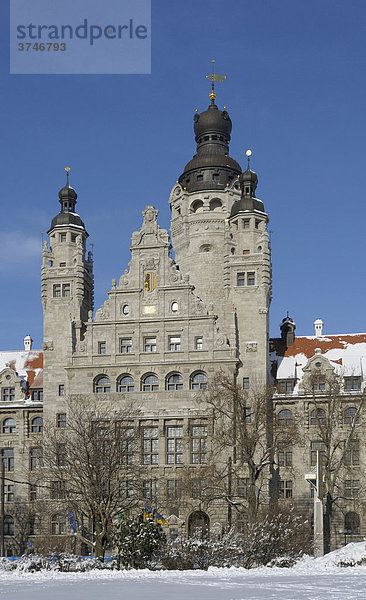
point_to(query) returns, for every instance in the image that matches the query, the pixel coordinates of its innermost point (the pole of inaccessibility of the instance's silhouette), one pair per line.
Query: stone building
(167, 327)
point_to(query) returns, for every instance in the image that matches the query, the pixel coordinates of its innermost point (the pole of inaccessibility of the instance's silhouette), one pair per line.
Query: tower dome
(67, 216)
(211, 168)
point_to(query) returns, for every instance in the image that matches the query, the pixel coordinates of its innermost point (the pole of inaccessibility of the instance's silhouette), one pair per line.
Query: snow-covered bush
(64, 562)
(275, 536)
(138, 543)
(277, 539)
(200, 551)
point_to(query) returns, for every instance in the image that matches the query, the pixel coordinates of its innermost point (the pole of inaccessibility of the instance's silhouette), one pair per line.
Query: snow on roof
(346, 353)
(27, 364)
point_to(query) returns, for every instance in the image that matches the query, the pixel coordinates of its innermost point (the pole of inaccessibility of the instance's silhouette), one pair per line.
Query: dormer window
(285, 386)
(352, 383)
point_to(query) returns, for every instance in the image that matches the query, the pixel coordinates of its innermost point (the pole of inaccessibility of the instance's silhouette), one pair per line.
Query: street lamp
(316, 482)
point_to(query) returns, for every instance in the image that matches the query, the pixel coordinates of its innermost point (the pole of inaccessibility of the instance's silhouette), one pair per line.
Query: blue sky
(295, 91)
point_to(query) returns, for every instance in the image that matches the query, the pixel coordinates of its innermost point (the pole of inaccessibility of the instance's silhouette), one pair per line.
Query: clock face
(149, 281)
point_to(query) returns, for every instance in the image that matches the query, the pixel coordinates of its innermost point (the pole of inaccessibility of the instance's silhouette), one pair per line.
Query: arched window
(150, 383)
(317, 416)
(285, 417)
(37, 425)
(58, 525)
(102, 385)
(9, 426)
(8, 525)
(352, 523)
(215, 204)
(349, 416)
(199, 381)
(126, 384)
(174, 382)
(197, 206)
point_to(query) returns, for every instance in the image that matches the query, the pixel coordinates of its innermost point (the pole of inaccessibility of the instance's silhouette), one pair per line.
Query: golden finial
(213, 77)
(249, 154)
(67, 169)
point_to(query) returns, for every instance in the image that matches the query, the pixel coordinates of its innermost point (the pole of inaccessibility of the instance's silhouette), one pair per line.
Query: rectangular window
(125, 345)
(150, 344)
(57, 490)
(8, 394)
(7, 455)
(32, 493)
(285, 489)
(73, 237)
(62, 237)
(198, 343)
(247, 414)
(199, 444)
(284, 455)
(240, 279)
(251, 278)
(66, 290)
(246, 223)
(102, 347)
(314, 447)
(257, 223)
(9, 493)
(62, 264)
(126, 489)
(174, 489)
(285, 386)
(352, 488)
(61, 390)
(352, 383)
(37, 395)
(149, 489)
(174, 344)
(150, 446)
(198, 488)
(242, 487)
(245, 383)
(57, 290)
(174, 445)
(319, 384)
(61, 420)
(35, 459)
(246, 251)
(61, 455)
(127, 446)
(352, 454)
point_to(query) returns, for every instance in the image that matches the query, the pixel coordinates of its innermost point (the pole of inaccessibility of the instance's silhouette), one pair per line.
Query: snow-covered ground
(311, 579)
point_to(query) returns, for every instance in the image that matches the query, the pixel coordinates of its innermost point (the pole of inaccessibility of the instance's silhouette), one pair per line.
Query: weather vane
(213, 77)
(67, 169)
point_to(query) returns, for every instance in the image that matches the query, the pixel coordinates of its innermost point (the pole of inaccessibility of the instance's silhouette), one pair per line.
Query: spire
(248, 183)
(214, 77)
(67, 195)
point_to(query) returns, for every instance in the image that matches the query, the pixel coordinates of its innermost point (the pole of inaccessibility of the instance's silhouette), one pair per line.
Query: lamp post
(316, 482)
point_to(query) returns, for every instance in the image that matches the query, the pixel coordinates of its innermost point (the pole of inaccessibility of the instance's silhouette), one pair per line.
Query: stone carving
(251, 346)
(47, 345)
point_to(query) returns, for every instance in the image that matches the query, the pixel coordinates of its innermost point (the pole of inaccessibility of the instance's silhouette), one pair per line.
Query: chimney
(28, 343)
(318, 324)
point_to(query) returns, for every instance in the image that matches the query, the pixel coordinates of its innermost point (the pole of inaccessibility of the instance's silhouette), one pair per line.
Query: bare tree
(335, 419)
(245, 439)
(90, 467)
